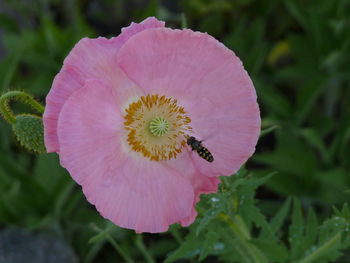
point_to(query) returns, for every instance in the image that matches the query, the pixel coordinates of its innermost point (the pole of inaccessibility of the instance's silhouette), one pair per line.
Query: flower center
(159, 126)
(156, 127)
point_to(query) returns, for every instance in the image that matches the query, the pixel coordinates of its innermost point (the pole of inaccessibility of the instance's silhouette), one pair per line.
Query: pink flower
(120, 110)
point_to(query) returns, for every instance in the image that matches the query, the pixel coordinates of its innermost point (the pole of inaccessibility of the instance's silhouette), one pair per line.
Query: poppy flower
(121, 110)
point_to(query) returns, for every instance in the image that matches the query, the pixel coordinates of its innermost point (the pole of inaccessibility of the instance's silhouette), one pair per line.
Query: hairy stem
(21, 96)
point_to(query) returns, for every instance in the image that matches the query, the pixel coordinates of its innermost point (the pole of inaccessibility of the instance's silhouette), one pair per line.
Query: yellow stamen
(156, 126)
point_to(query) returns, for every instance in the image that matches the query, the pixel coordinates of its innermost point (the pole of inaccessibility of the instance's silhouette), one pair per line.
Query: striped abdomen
(205, 154)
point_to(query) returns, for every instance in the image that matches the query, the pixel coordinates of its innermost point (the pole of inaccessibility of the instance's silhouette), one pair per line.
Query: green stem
(141, 246)
(5, 110)
(175, 233)
(183, 21)
(119, 249)
(241, 231)
(21, 96)
(115, 245)
(268, 130)
(322, 249)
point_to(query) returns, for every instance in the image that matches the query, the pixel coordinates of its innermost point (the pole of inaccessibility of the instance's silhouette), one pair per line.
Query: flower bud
(29, 132)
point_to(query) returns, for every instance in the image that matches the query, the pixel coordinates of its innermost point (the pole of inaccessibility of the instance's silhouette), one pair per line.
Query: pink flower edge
(90, 58)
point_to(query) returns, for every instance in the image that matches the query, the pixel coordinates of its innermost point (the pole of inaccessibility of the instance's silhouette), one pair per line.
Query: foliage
(234, 229)
(297, 53)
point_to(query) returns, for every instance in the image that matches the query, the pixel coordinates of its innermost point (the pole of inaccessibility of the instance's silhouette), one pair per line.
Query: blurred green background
(298, 55)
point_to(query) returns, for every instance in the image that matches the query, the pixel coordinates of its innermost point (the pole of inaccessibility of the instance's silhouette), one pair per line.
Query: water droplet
(214, 199)
(219, 246)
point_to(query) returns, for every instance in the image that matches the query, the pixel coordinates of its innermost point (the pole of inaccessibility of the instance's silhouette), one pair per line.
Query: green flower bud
(29, 131)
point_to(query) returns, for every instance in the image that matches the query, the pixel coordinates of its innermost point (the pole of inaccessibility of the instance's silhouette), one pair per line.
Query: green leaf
(274, 251)
(328, 246)
(8, 67)
(256, 182)
(211, 238)
(314, 139)
(296, 230)
(253, 213)
(219, 203)
(311, 230)
(296, 10)
(8, 23)
(278, 220)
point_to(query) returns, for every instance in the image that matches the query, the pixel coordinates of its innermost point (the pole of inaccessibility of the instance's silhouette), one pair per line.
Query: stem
(119, 249)
(19, 95)
(318, 252)
(175, 233)
(143, 249)
(115, 245)
(268, 130)
(5, 110)
(183, 21)
(240, 229)
(63, 198)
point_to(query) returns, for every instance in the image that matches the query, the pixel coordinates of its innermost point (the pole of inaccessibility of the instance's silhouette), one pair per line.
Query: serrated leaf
(274, 251)
(327, 251)
(344, 212)
(252, 213)
(219, 206)
(256, 182)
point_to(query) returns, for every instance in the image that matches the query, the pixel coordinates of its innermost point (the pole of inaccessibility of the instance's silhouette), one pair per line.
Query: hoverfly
(199, 148)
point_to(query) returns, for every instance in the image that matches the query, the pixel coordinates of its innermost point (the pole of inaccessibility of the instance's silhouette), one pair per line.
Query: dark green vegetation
(283, 210)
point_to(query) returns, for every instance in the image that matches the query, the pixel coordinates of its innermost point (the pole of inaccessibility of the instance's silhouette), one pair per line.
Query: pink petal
(201, 184)
(90, 124)
(132, 192)
(209, 80)
(205, 185)
(90, 58)
(134, 28)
